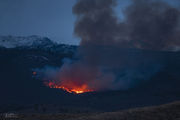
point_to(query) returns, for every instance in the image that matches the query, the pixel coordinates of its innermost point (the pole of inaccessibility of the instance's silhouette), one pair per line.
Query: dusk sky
(49, 18)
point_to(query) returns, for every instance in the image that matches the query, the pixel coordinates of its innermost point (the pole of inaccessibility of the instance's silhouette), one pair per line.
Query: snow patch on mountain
(35, 42)
(20, 41)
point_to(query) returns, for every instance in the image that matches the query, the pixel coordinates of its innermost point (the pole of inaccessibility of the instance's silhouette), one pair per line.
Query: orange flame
(71, 88)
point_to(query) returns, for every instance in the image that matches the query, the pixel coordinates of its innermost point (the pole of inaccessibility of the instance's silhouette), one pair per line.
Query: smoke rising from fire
(102, 61)
(153, 25)
(148, 24)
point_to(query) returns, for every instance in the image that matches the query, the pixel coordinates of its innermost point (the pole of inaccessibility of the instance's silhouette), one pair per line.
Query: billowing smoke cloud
(102, 62)
(96, 23)
(148, 24)
(153, 25)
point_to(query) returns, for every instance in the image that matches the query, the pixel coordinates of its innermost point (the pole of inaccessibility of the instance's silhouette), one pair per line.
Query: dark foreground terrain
(23, 94)
(20, 91)
(163, 112)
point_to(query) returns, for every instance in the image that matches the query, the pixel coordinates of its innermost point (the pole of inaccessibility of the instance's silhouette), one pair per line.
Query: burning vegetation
(69, 87)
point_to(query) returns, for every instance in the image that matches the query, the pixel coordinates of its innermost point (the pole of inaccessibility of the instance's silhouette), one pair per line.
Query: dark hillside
(19, 87)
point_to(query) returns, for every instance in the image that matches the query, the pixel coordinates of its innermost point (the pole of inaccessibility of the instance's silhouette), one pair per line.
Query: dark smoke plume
(148, 24)
(153, 25)
(96, 23)
(102, 62)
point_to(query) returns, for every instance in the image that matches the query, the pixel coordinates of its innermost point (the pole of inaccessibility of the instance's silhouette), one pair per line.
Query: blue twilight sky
(50, 18)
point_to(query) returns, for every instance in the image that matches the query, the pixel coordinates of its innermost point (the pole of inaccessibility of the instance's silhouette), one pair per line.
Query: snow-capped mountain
(34, 42)
(19, 41)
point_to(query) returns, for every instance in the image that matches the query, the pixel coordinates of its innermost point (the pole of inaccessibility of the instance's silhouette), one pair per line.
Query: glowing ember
(34, 73)
(71, 88)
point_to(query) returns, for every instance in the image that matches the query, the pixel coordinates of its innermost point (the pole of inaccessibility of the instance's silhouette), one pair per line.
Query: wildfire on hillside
(69, 87)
